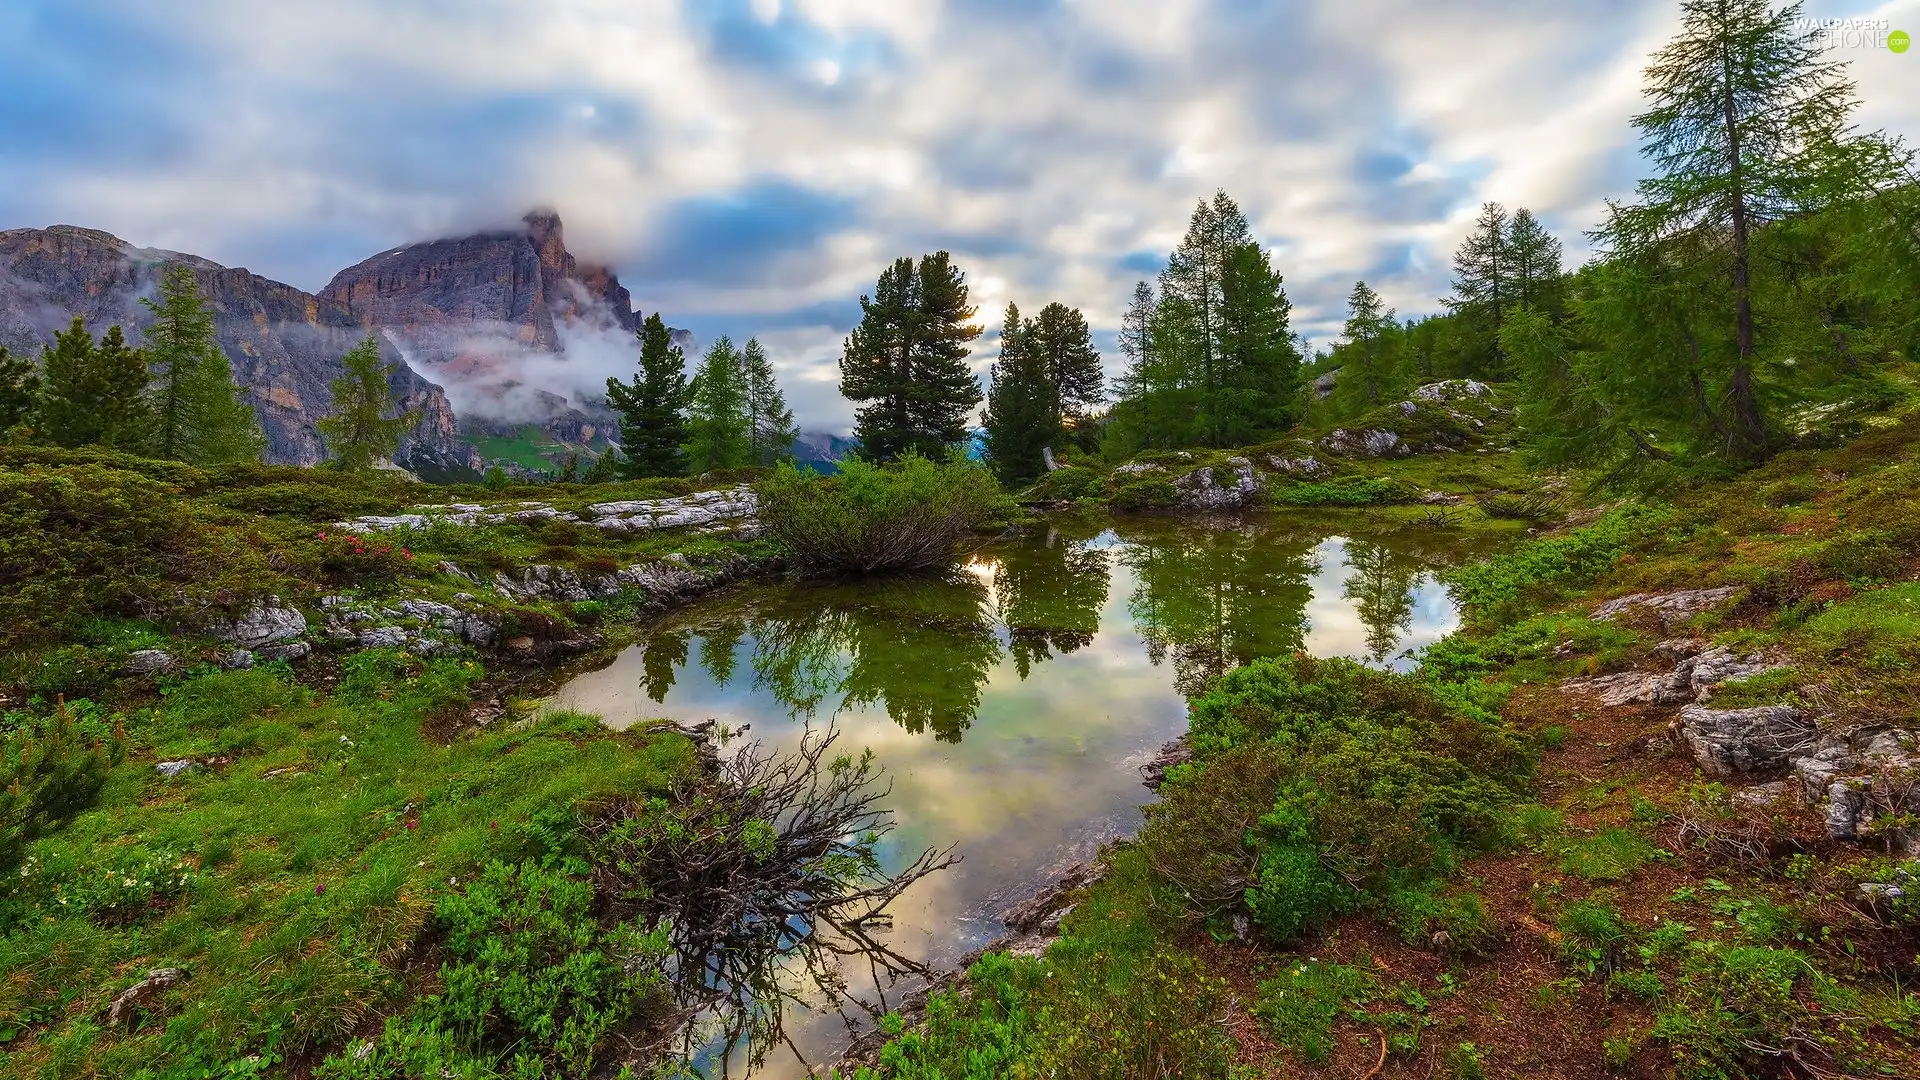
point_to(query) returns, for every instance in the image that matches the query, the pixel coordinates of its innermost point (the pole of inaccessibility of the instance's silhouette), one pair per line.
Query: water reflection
(1012, 699)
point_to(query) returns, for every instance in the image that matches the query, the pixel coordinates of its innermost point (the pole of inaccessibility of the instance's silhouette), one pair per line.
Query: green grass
(295, 875)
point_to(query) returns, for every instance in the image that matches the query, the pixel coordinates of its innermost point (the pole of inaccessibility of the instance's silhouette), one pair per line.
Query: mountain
(821, 451)
(285, 345)
(518, 330)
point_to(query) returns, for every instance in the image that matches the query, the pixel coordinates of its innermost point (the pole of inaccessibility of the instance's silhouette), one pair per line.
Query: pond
(1013, 699)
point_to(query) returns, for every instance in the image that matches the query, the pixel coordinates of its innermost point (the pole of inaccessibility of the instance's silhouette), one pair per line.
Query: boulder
(1373, 443)
(1200, 490)
(146, 662)
(265, 623)
(1861, 775)
(291, 650)
(237, 660)
(542, 582)
(1670, 607)
(382, 637)
(171, 769)
(1306, 466)
(156, 982)
(1452, 390)
(1742, 742)
(1692, 679)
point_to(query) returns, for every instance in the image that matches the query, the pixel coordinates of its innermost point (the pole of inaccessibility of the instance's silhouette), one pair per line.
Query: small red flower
(412, 825)
(319, 890)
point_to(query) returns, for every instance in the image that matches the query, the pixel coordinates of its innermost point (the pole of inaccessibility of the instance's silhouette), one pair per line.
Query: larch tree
(719, 431)
(1747, 121)
(652, 407)
(200, 414)
(769, 421)
(1483, 287)
(906, 361)
(1369, 321)
(357, 430)
(1533, 259)
(95, 393)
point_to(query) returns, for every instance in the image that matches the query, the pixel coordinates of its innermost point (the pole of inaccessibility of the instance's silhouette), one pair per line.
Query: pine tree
(200, 414)
(652, 407)
(605, 468)
(1533, 258)
(1482, 290)
(770, 422)
(357, 431)
(719, 431)
(1074, 382)
(19, 391)
(1746, 117)
(907, 359)
(95, 393)
(1262, 370)
(1192, 295)
(1369, 321)
(1019, 417)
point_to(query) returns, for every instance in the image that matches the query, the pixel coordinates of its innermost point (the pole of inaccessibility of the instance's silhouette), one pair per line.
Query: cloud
(749, 166)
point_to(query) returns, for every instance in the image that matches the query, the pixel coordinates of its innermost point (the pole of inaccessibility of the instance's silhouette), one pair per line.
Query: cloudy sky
(748, 166)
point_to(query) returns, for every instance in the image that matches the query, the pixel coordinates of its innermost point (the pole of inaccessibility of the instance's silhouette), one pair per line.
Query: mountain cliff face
(285, 345)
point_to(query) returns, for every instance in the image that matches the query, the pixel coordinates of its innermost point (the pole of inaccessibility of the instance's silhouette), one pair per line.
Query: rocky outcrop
(285, 345)
(266, 623)
(1668, 607)
(1743, 742)
(520, 278)
(1861, 777)
(1207, 488)
(1371, 443)
(1453, 390)
(734, 509)
(1691, 679)
(128, 1001)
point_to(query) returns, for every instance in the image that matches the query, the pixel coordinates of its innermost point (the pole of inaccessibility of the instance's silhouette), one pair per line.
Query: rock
(1761, 796)
(1199, 490)
(1670, 607)
(237, 660)
(1140, 469)
(1452, 390)
(264, 624)
(1306, 466)
(292, 650)
(146, 662)
(542, 582)
(1692, 679)
(382, 637)
(157, 981)
(171, 769)
(285, 345)
(1154, 772)
(1373, 443)
(1741, 742)
(449, 569)
(1861, 775)
(1323, 385)
(1440, 498)
(1408, 408)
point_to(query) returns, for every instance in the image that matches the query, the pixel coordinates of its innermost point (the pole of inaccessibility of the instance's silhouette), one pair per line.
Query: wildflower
(319, 890)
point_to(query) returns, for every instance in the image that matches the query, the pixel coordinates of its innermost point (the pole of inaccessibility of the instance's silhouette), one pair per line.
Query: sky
(749, 166)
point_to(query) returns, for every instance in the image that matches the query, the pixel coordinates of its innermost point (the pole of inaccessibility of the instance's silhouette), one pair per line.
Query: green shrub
(1494, 588)
(1067, 484)
(1344, 491)
(1592, 935)
(531, 981)
(1609, 855)
(1144, 492)
(49, 772)
(1734, 1010)
(1297, 1008)
(907, 515)
(1425, 912)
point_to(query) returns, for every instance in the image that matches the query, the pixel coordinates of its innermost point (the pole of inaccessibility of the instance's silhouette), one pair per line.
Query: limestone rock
(171, 769)
(1372, 443)
(1144, 468)
(1452, 390)
(1741, 742)
(382, 637)
(1861, 775)
(158, 981)
(1306, 466)
(1692, 679)
(1670, 607)
(542, 582)
(237, 660)
(1201, 490)
(285, 345)
(146, 662)
(264, 624)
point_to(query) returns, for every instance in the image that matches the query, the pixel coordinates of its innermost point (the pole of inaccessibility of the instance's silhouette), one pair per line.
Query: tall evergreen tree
(1482, 289)
(1533, 259)
(719, 430)
(1262, 369)
(19, 391)
(357, 430)
(200, 415)
(1075, 384)
(1369, 321)
(1746, 118)
(652, 408)
(1192, 292)
(1019, 416)
(769, 421)
(907, 361)
(95, 393)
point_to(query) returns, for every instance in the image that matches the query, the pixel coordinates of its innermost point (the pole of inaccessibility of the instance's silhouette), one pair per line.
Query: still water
(1013, 699)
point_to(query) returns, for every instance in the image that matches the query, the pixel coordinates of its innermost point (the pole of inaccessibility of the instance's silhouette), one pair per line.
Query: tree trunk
(1750, 427)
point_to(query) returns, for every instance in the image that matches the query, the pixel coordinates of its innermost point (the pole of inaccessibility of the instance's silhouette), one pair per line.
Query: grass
(295, 875)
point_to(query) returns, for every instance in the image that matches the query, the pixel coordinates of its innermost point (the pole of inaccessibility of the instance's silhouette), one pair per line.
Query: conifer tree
(719, 430)
(200, 415)
(19, 391)
(1369, 321)
(652, 408)
(1262, 380)
(1533, 259)
(769, 421)
(95, 393)
(1019, 417)
(1482, 289)
(1746, 118)
(1074, 384)
(907, 361)
(605, 468)
(357, 430)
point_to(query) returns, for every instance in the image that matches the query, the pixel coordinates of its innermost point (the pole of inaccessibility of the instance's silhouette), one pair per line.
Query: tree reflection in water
(1049, 594)
(1380, 583)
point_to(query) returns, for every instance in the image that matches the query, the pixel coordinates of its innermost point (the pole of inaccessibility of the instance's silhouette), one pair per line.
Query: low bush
(1298, 1007)
(1737, 1010)
(49, 772)
(1344, 491)
(1067, 484)
(1145, 492)
(907, 515)
(1495, 589)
